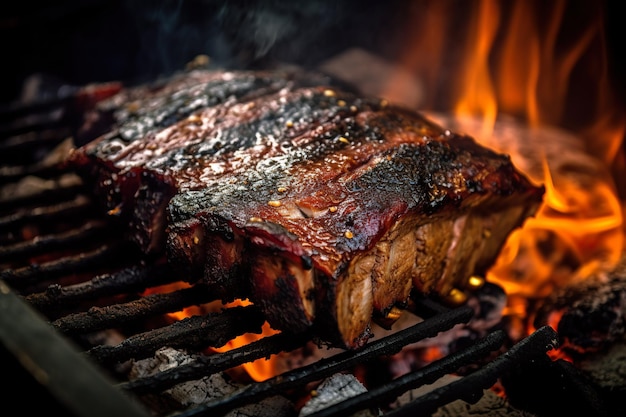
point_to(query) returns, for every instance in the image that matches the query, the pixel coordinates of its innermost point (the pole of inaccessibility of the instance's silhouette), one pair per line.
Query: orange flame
(477, 90)
(525, 74)
(579, 228)
(260, 369)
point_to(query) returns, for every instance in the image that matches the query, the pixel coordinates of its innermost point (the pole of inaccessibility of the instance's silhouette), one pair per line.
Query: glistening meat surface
(324, 207)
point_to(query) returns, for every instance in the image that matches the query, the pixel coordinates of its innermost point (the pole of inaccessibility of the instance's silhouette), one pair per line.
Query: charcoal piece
(592, 312)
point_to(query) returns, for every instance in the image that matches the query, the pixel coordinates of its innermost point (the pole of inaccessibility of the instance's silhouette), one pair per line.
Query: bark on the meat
(325, 207)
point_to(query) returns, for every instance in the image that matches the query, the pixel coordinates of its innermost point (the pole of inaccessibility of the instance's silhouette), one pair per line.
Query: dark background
(82, 41)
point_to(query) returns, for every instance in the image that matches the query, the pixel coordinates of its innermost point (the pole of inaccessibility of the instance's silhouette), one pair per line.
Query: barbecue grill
(69, 276)
(77, 310)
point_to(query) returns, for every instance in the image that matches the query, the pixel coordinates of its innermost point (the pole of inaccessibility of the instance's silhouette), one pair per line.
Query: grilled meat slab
(323, 207)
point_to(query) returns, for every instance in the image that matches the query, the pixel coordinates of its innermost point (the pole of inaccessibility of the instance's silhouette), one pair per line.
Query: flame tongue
(579, 228)
(528, 75)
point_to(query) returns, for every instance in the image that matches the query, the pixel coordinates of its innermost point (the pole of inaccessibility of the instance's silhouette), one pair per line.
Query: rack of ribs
(323, 207)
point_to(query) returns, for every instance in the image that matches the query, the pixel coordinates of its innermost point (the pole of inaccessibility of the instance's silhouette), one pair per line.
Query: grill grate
(67, 271)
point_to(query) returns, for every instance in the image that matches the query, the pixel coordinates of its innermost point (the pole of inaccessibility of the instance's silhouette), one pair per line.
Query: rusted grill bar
(21, 154)
(9, 113)
(34, 119)
(27, 146)
(77, 206)
(85, 391)
(42, 197)
(15, 172)
(430, 373)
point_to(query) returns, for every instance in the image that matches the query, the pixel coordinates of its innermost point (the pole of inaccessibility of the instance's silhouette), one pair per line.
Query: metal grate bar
(111, 316)
(21, 278)
(327, 367)
(55, 242)
(84, 389)
(427, 375)
(18, 110)
(34, 123)
(470, 387)
(195, 332)
(208, 365)
(77, 206)
(10, 173)
(42, 197)
(132, 279)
